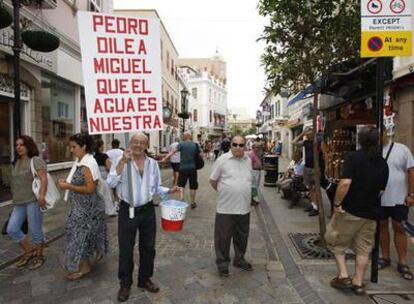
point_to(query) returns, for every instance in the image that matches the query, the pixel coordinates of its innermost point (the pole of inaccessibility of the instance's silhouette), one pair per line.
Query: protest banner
(121, 65)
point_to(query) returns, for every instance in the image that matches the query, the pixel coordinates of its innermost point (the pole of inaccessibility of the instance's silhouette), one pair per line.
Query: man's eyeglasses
(237, 145)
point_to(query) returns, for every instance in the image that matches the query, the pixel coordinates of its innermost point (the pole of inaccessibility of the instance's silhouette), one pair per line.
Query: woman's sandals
(38, 261)
(25, 259)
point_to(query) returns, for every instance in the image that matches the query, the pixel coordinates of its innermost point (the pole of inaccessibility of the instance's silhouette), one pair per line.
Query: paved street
(185, 268)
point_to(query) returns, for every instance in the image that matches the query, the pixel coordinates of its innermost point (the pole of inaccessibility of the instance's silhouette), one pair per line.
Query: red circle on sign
(397, 6)
(374, 6)
(375, 44)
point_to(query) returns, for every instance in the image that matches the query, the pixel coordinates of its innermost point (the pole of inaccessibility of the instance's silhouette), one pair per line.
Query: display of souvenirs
(336, 148)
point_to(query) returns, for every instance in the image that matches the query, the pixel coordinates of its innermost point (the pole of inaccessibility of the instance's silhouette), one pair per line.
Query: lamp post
(184, 107)
(17, 47)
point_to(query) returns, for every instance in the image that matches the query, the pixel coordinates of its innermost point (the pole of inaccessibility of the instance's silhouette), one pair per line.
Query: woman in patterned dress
(86, 232)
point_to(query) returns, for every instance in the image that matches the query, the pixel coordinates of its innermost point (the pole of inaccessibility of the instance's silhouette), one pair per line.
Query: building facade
(206, 79)
(52, 98)
(239, 120)
(401, 96)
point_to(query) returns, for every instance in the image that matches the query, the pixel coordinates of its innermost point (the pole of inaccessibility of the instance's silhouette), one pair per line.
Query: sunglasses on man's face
(237, 145)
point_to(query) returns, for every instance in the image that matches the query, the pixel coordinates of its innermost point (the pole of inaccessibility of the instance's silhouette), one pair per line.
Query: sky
(199, 28)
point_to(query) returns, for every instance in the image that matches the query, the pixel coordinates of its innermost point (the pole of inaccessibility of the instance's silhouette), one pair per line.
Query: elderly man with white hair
(146, 182)
(188, 171)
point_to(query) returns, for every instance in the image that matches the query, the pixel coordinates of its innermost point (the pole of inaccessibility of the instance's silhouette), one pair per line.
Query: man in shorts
(364, 176)
(188, 171)
(305, 138)
(394, 204)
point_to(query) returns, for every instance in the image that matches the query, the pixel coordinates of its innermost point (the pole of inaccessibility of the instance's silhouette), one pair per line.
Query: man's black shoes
(242, 264)
(224, 273)
(149, 286)
(123, 294)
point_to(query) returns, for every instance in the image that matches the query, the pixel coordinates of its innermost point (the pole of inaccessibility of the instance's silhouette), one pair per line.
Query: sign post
(385, 32)
(121, 66)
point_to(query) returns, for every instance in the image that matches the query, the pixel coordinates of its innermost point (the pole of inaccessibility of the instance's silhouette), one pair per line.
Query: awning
(301, 95)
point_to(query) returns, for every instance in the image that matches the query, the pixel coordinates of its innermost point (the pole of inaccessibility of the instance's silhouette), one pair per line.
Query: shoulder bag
(198, 159)
(52, 193)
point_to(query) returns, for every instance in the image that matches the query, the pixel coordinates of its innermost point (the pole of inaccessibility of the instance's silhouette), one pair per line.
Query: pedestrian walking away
(398, 195)
(364, 176)
(115, 152)
(146, 182)
(231, 177)
(175, 162)
(86, 231)
(256, 173)
(25, 204)
(225, 144)
(216, 149)
(188, 171)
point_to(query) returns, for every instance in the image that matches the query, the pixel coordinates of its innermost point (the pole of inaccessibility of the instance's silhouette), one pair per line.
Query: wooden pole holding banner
(380, 117)
(130, 190)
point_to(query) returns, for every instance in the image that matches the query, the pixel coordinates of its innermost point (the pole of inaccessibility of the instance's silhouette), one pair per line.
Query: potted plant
(40, 40)
(5, 16)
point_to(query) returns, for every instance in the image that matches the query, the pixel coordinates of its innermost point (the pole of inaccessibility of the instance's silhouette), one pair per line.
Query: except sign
(122, 72)
(386, 28)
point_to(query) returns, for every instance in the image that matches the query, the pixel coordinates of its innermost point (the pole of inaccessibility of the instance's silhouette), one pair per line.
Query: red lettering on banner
(147, 122)
(125, 105)
(122, 25)
(124, 123)
(142, 48)
(152, 104)
(112, 45)
(143, 26)
(138, 86)
(157, 122)
(120, 66)
(97, 108)
(97, 20)
(112, 86)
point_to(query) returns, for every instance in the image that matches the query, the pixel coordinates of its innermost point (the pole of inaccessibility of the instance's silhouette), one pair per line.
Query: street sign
(122, 72)
(386, 29)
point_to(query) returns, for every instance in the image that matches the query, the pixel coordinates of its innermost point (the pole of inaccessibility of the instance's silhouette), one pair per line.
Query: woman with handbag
(26, 205)
(86, 231)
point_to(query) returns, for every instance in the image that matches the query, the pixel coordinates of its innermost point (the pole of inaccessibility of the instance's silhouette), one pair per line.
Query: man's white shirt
(234, 182)
(144, 188)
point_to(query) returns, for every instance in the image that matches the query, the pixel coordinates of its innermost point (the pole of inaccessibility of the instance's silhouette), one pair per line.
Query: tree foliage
(305, 37)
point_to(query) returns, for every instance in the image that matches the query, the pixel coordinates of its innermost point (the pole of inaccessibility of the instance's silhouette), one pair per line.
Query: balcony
(41, 4)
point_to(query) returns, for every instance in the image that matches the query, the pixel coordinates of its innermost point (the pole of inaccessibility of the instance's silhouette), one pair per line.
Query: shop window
(95, 5)
(58, 118)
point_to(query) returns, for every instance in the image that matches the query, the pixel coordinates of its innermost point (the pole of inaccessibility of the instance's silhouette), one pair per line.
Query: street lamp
(184, 106)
